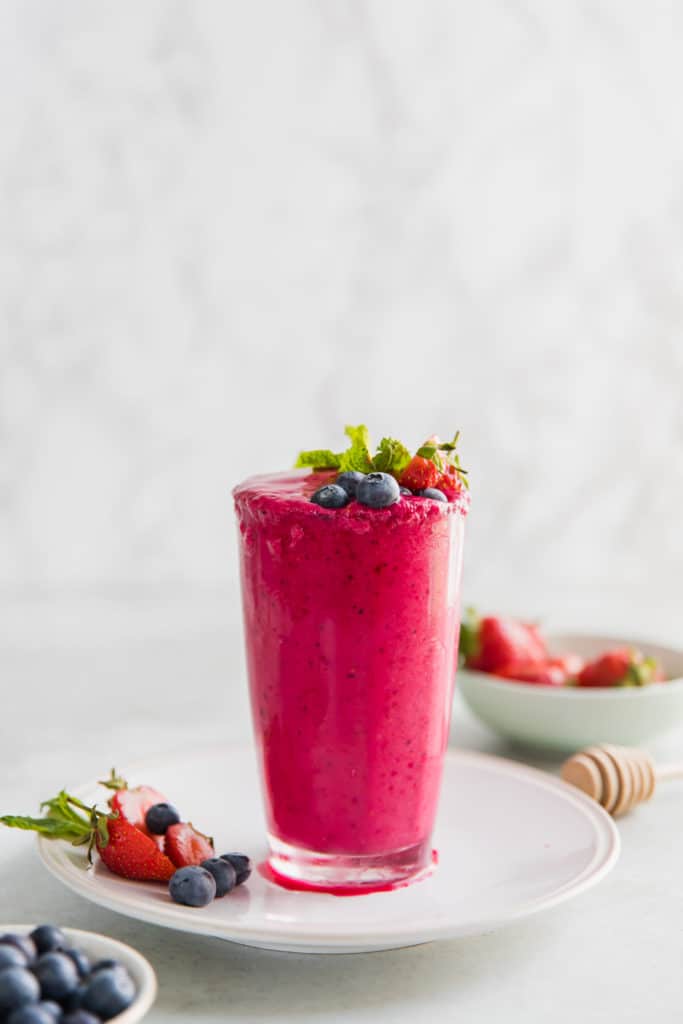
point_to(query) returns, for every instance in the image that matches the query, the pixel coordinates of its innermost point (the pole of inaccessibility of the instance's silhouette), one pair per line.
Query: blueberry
(109, 992)
(103, 965)
(12, 956)
(23, 942)
(349, 481)
(53, 1008)
(377, 490)
(241, 864)
(36, 1013)
(160, 817)
(79, 1017)
(192, 886)
(18, 988)
(57, 975)
(46, 938)
(331, 496)
(74, 1000)
(432, 492)
(406, 492)
(224, 874)
(80, 960)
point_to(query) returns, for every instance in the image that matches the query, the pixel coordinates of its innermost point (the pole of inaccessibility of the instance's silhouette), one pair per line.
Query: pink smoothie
(352, 619)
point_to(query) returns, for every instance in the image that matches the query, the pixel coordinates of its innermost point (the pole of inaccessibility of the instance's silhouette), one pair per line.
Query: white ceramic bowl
(101, 947)
(567, 718)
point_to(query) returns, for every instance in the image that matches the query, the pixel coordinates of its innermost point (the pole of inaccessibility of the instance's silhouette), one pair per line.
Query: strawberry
(132, 804)
(124, 849)
(570, 663)
(186, 846)
(132, 854)
(419, 473)
(491, 643)
(622, 666)
(449, 482)
(542, 673)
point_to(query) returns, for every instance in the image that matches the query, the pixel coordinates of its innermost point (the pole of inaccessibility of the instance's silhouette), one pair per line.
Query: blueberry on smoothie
(349, 481)
(378, 490)
(406, 492)
(331, 496)
(432, 492)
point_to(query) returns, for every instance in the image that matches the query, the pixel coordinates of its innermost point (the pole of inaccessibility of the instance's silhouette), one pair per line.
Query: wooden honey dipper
(619, 778)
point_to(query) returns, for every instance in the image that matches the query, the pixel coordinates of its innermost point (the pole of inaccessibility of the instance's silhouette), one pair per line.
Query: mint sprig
(391, 455)
(67, 818)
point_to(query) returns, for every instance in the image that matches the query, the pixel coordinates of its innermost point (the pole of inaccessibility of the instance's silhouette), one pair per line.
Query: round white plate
(101, 947)
(511, 841)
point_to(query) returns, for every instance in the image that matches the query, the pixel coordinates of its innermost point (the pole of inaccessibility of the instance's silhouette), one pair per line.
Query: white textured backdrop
(228, 228)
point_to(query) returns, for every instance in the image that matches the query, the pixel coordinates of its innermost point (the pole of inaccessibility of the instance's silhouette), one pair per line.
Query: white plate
(101, 947)
(511, 841)
(567, 718)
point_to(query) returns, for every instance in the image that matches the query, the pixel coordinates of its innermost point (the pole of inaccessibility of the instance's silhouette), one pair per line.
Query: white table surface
(88, 682)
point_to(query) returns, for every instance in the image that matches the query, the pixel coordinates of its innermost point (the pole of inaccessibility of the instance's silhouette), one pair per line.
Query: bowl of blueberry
(51, 975)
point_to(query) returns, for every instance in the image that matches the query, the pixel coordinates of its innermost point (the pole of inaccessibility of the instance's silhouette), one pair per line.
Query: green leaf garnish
(358, 455)
(391, 456)
(68, 818)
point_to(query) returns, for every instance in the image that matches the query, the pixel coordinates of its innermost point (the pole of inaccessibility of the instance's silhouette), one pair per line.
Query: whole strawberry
(622, 666)
(125, 849)
(419, 474)
(492, 642)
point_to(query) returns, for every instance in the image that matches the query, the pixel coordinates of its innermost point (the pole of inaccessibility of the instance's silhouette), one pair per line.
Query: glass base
(336, 872)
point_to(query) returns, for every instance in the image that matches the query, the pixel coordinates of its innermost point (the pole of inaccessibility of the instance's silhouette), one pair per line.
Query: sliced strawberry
(132, 854)
(133, 804)
(419, 473)
(492, 643)
(186, 846)
(571, 663)
(542, 673)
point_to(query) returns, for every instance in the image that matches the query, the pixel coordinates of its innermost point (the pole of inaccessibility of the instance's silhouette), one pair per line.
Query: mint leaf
(358, 455)
(53, 828)
(321, 458)
(391, 457)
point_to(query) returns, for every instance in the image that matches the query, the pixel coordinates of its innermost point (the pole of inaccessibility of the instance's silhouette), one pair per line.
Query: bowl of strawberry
(563, 691)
